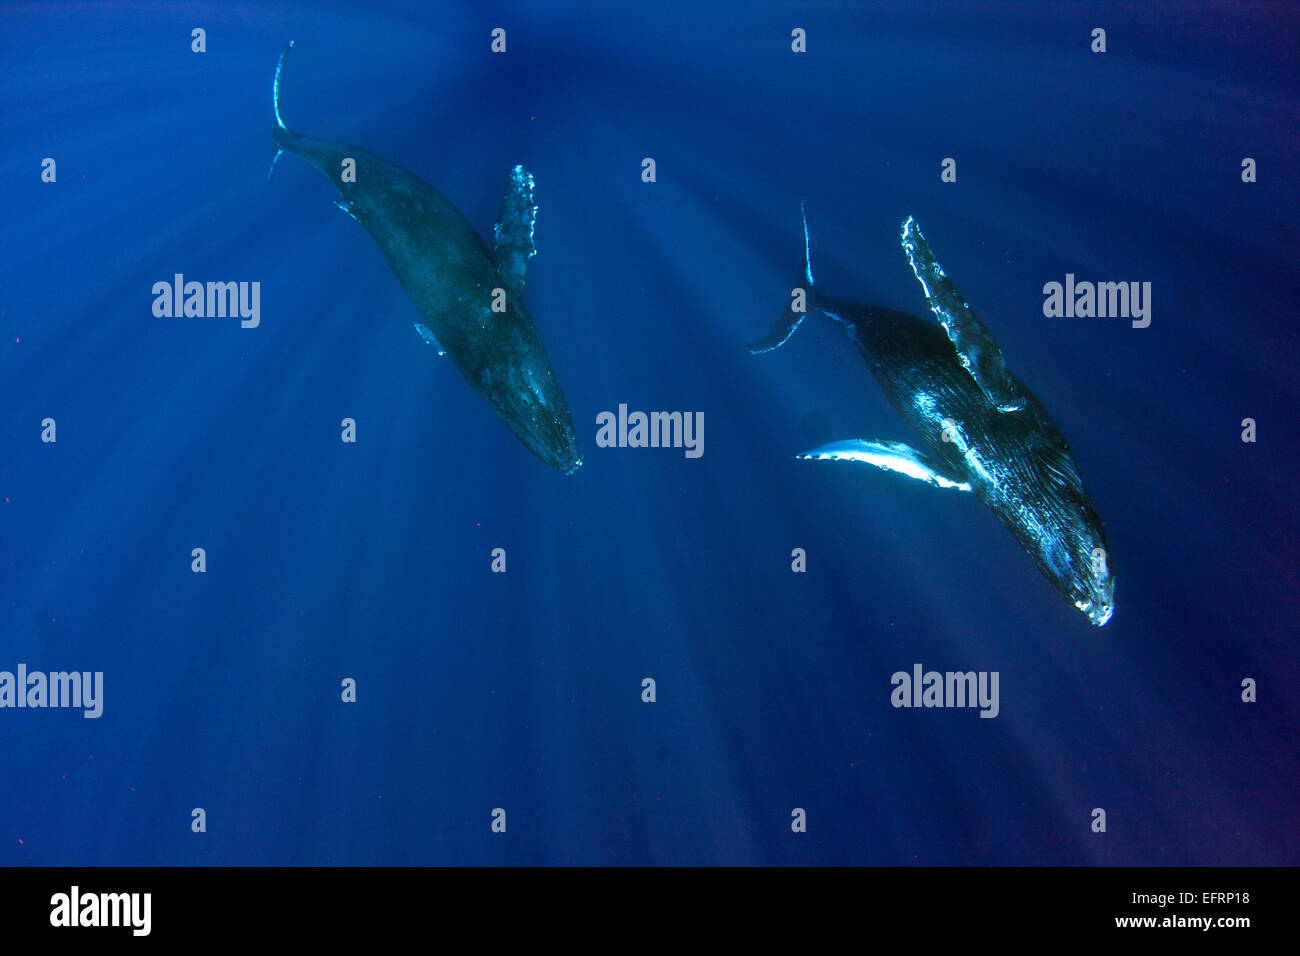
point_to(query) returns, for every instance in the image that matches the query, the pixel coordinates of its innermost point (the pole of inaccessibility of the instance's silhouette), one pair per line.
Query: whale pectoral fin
(891, 456)
(423, 331)
(975, 345)
(346, 206)
(513, 235)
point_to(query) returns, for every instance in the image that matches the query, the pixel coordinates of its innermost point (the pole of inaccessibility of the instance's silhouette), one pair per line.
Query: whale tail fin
(275, 105)
(801, 297)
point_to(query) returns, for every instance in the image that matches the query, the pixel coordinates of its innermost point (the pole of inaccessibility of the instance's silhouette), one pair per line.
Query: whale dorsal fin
(891, 456)
(512, 244)
(975, 345)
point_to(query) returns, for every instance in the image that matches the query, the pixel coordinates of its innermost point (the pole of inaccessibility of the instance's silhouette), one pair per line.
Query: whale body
(454, 280)
(984, 431)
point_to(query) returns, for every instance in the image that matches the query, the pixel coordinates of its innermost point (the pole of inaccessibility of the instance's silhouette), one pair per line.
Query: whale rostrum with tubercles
(455, 280)
(984, 431)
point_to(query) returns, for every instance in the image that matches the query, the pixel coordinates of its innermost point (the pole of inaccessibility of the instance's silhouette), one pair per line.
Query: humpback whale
(983, 429)
(455, 280)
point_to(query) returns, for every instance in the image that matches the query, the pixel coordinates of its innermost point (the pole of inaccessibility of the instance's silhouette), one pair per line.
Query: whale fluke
(275, 105)
(789, 320)
(786, 323)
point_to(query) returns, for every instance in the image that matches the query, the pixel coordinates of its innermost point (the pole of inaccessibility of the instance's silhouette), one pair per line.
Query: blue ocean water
(523, 690)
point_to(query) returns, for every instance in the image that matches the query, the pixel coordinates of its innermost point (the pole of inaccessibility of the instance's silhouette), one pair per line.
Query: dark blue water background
(522, 690)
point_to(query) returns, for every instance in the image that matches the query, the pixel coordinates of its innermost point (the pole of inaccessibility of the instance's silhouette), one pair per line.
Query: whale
(468, 297)
(982, 430)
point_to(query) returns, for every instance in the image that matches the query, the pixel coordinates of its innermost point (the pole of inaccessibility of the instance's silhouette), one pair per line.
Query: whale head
(1094, 590)
(1067, 541)
(527, 397)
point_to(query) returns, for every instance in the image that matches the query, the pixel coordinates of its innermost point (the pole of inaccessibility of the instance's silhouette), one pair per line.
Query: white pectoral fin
(975, 345)
(346, 206)
(891, 456)
(512, 245)
(423, 331)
